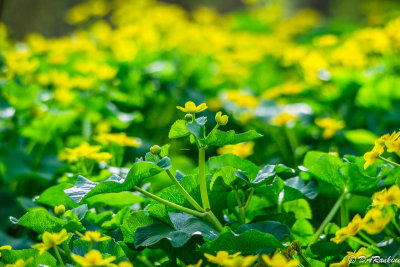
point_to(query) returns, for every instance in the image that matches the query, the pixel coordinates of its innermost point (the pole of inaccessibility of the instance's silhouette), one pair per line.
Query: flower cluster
(390, 142)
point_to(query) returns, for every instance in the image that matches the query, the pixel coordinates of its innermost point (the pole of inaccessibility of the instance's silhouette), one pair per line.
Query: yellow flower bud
(59, 210)
(221, 119)
(155, 149)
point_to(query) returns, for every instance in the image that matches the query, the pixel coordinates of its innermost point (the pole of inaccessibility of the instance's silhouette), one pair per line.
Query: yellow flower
(191, 107)
(220, 257)
(240, 261)
(121, 264)
(221, 119)
(386, 197)
(330, 126)
(50, 240)
(6, 247)
(59, 210)
(351, 255)
(392, 143)
(92, 236)
(374, 222)
(355, 225)
(283, 118)
(118, 138)
(278, 260)
(84, 151)
(242, 99)
(198, 264)
(242, 150)
(92, 259)
(20, 263)
(326, 40)
(340, 235)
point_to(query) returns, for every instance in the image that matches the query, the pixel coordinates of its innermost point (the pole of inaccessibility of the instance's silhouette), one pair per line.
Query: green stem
(171, 204)
(357, 240)
(58, 256)
(389, 161)
(344, 213)
(242, 215)
(202, 180)
(249, 198)
(369, 240)
(395, 223)
(237, 197)
(210, 217)
(215, 128)
(328, 218)
(304, 259)
(184, 192)
(90, 246)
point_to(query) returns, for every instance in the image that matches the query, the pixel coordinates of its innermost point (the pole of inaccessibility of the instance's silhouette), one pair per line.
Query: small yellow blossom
(386, 197)
(20, 263)
(371, 156)
(92, 259)
(340, 235)
(92, 236)
(326, 40)
(221, 119)
(283, 119)
(6, 247)
(374, 221)
(242, 99)
(50, 240)
(330, 126)
(84, 151)
(118, 138)
(242, 150)
(220, 257)
(240, 261)
(278, 260)
(392, 142)
(190, 107)
(355, 225)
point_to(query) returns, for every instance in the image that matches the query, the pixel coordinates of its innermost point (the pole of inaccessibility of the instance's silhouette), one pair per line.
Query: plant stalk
(202, 180)
(328, 218)
(184, 192)
(389, 161)
(170, 204)
(58, 256)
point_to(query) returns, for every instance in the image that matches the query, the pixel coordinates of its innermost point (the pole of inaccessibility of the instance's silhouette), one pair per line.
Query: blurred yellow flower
(191, 107)
(118, 138)
(92, 259)
(220, 257)
(198, 264)
(350, 256)
(374, 221)
(283, 119)
(330, 126)
(326, 40)
(84, 151)
(242, 99)
(371, 156)
(385, 198)
(278, 260)
(51, 240)
(92, 236)
(240, 261)
(242, 150)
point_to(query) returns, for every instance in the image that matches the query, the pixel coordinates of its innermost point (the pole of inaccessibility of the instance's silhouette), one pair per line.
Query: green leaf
(310, 189)
(303, 231)
(278, 230)
(324, 249)
(220, 138)
(270, 171)
(115, 200)
(55, 196)
(11, 256)
(325, 167)
(248, 242)
(107, 247)
(185, 227)
(117, 220)
(361, 137)
(178, 130)
(85, 188)
(40, 220)
(197, 128)
(299, 207)
(232, 160)
(134, 221)
(224, 179)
